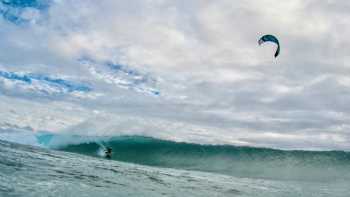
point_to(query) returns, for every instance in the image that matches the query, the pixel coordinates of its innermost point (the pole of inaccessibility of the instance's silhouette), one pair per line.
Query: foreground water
(33, 171)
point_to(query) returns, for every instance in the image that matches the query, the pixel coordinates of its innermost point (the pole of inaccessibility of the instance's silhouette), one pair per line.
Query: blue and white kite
(270, 38)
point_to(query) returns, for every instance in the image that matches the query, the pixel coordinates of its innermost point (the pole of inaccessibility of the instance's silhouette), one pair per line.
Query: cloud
(22, 12)
(122, 76)
(39, 85)
(201, 60)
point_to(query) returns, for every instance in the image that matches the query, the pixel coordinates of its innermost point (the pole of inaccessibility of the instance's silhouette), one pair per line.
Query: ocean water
(141, 166)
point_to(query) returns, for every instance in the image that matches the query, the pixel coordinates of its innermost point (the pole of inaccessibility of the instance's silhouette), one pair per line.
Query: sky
(183, 70)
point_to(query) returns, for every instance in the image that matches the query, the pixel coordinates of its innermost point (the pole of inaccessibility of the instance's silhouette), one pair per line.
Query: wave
(224, 159)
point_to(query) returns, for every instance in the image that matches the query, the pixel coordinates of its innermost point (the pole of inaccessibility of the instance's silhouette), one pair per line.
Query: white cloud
(213, 78)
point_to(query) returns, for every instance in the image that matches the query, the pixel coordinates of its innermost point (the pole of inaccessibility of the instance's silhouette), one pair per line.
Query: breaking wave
(223, 159)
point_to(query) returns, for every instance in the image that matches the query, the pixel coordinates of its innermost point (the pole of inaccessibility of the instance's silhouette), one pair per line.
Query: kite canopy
(270, 38)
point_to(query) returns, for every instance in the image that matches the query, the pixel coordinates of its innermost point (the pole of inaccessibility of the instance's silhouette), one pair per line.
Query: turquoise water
(244, 162)
(63, 165)
(34, 171)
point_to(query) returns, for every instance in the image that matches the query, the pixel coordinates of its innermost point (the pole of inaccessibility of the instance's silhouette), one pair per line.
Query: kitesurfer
(108, 153)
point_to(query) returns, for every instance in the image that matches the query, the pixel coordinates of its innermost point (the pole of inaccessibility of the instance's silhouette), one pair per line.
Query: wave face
(224, 159)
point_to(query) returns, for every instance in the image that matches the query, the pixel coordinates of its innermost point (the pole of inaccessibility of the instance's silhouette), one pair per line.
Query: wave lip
(223, 159)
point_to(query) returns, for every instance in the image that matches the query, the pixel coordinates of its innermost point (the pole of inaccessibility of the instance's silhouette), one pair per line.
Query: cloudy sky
(184, 70)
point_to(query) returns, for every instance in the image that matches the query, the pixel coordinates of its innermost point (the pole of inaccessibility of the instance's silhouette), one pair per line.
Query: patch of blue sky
(13, 10)
(39, 4)
(28, 79)
(122, 68)
(124, 76)
(136, 76)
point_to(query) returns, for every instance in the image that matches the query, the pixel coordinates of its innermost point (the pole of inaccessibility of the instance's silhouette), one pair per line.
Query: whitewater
(64, 165)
